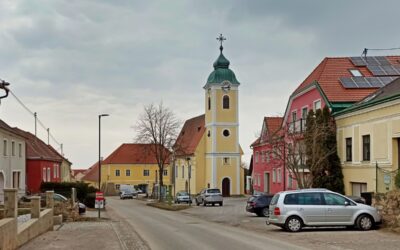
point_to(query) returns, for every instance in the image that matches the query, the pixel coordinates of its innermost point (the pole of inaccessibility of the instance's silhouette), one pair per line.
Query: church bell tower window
(225, 102)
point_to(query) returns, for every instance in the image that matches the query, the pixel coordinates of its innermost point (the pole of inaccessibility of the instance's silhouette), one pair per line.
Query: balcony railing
(298, 126)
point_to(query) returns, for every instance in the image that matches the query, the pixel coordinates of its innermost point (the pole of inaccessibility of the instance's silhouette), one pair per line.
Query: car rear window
(274, 200)
(253, 198)
(303, 199)
(213, 191)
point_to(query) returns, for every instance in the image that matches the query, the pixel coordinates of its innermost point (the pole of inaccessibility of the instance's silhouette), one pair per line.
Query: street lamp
(189, 176)
(100, 153)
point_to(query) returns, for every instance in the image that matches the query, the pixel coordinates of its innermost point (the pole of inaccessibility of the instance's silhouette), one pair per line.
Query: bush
(65, 189)
(90, 200)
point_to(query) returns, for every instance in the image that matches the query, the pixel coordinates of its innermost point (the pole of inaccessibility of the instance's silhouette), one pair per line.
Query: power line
(37, 119)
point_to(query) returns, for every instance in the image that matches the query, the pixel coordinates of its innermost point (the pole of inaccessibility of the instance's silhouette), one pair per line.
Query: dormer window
(355, 72)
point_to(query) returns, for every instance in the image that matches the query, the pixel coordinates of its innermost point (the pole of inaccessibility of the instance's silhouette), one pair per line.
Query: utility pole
(62, 151)
(48, 136)
(35, 115)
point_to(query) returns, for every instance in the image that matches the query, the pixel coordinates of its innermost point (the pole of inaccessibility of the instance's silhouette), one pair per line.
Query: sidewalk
(102, 234)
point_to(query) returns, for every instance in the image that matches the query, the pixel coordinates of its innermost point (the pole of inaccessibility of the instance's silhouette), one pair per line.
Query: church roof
(190, 135)
(221, 71)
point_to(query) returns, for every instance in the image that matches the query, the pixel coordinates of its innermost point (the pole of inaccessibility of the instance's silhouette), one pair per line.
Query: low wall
(35, 227)
(388, 205)
(8, 229)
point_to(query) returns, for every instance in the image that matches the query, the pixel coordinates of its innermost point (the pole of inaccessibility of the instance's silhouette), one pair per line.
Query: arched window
(209, 103)
(225, 102)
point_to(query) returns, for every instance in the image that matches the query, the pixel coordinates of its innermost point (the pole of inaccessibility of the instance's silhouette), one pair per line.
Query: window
(183, 171)
(13, 148)
(355, 72)
(358, 188)
(117, 172)
(165, 172)
(44, 174)
(5, 147)
(262, 156)
(289, 182)
(274, 175)
(226, 133)
(55, 171)
(267, 156)
(227, 160)
(317, 105)
(128, 172)
(304, 113)
(176, 171)
(294, 116)
(146, 172)
(20, 150)
(257, 154)
(117, 186)
(48, 174)
(349, 156)
(279, 175)
(16, 179)
(366, 147)
(209, 103)
(334, 199)
(225, 102)
(303, 199)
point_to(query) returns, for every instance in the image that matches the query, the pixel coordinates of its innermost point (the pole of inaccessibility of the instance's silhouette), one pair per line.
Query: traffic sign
(99, 196)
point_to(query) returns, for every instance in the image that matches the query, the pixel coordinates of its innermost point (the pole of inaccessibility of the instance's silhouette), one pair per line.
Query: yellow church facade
(208, 150)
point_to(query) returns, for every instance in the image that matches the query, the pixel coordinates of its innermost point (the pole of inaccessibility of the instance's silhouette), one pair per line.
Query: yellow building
(368, 135)
(209, 143)
(132, 164)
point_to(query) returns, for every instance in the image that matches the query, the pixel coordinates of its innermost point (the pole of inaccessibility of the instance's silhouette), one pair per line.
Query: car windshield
(213, 191)
(183, 194)
(253, 198)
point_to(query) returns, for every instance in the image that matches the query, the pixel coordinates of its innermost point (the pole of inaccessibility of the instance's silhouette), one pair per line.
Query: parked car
(127, 194)
(259, 204)
(182, 196)
(209, 196)
(293, 210)
(56, 198)
(357, 199)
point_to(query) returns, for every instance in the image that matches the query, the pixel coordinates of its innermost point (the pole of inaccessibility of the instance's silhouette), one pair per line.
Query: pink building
(268, 168)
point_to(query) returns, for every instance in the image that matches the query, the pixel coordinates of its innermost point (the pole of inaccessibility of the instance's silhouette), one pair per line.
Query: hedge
(65, 189)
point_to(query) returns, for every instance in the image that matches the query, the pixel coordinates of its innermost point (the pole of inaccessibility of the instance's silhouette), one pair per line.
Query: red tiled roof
(273, 123)
(92, 173)
(132, 153)
(328, 73)
(190, 135)
(37, 149)
(6, 127)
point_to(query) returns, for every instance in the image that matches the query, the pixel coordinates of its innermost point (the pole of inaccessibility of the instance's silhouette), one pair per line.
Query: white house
(12, 160)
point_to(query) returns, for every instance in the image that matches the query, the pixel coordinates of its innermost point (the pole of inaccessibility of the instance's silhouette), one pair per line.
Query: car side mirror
(346, 203)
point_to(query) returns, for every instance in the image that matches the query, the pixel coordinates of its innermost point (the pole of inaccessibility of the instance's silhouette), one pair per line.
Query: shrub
(65, 189)
(90, 200)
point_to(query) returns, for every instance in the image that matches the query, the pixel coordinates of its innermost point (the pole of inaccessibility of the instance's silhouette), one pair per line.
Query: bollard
(73, 197)
(35, 207)
(50, 199)
(10, 203)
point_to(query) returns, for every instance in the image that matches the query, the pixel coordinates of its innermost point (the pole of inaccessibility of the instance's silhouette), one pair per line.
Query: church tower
(223, 153)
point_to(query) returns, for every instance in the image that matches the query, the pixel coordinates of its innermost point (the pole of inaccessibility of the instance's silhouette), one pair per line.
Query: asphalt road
(173, 230)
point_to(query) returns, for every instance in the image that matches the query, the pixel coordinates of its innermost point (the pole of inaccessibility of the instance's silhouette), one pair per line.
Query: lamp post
(100, 153)
(189, 176)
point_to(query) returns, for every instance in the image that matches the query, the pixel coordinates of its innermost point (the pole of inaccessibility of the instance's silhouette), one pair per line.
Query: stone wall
(8, 233)
(388, 205)
(35, 227)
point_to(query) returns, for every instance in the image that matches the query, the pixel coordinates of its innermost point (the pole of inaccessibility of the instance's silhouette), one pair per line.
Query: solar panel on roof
(361, 82)
(374, 82)
(387, 79)
(382, 60)
(358, 61)
(369, 60)
(390, 70)
(347, 82)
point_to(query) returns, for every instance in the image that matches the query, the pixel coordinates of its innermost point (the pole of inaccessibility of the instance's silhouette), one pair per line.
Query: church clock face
(226, 85)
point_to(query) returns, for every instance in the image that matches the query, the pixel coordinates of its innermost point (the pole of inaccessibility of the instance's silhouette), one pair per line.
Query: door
(266, 183)
(226, 187)
(337, 213)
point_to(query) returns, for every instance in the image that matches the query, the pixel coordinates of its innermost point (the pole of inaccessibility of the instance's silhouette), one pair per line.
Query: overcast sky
(72, 60)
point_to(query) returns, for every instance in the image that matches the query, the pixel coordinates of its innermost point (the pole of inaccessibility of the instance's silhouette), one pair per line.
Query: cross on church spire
(221, 39)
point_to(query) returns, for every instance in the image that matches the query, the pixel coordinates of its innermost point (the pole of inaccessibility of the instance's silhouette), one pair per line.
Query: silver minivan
(293, 210)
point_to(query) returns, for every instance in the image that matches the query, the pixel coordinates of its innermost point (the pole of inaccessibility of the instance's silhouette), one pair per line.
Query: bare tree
(158, 126)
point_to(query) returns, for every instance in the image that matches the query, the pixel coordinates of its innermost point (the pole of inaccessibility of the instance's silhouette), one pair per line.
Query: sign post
(99, 201)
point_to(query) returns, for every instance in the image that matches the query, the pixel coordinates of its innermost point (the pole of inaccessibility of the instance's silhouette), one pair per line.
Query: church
(208, 154)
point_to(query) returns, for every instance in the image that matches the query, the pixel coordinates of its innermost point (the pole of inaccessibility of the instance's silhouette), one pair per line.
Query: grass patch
(165, 206)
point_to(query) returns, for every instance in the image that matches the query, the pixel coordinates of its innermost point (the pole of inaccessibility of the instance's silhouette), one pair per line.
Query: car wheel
(204, 203)
(213, 204)
(364, 222)
(293, 224)
(197, 203)
(221, 203)
(265, 212)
